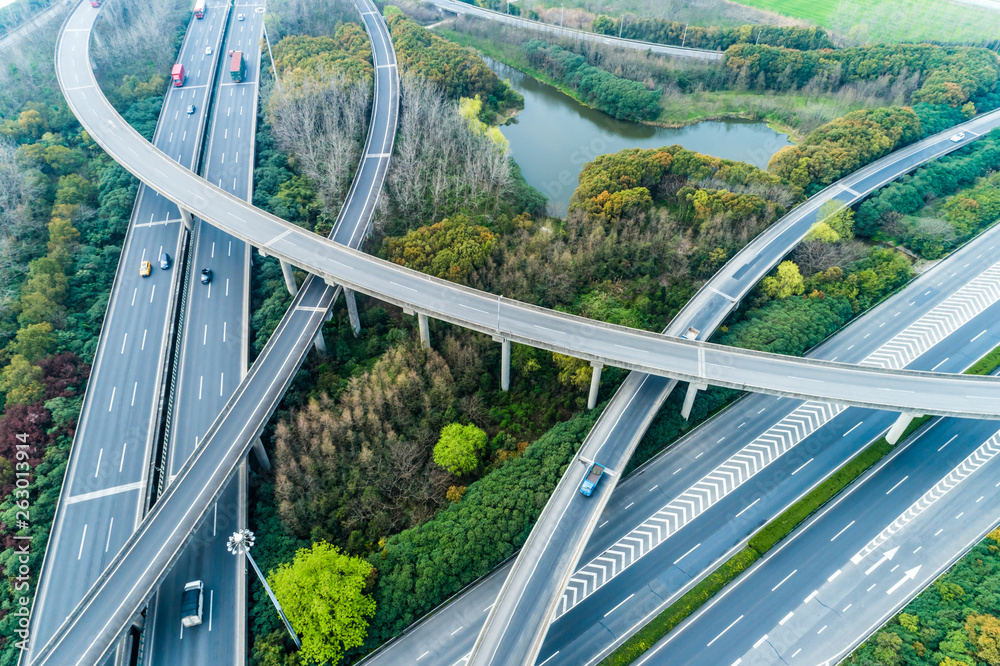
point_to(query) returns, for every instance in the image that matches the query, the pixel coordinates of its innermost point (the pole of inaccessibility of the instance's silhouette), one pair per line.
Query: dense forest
(64, 211)
(676, 33)
(952, 76)
(618, 97)
(844, 145)
(457, 72)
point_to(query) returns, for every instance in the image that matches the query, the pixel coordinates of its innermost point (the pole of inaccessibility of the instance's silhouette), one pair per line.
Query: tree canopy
(458, 448)
(322, 591)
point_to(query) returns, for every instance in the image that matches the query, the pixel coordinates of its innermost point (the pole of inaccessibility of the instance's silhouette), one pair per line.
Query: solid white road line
(82, 540)
(783, 580)
(83, 497)
(709, 644)
(842, 531)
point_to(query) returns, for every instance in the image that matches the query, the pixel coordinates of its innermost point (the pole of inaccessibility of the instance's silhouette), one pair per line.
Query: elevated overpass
(508, 320)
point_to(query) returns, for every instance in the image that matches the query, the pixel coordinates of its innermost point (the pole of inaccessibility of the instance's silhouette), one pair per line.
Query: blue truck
(590, 481)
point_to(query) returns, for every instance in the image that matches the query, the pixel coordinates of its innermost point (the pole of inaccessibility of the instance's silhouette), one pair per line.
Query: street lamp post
(562, 16)
(242, 542)
(273, 67)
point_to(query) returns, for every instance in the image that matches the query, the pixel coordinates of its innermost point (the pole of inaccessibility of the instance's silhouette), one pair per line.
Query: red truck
(177, 75)
(95, 3)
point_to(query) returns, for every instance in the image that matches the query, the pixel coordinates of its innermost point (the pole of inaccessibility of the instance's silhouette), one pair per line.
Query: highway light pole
(242, 542)
(274, 68)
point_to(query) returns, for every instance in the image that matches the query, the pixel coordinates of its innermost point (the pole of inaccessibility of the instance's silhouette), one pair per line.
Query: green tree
(450, 249)
(22, 382)
(787, 282)
(459, 447)
(33, 342)
(323, 594)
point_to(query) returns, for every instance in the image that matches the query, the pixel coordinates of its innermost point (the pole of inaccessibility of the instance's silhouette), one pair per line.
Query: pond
(555, 136)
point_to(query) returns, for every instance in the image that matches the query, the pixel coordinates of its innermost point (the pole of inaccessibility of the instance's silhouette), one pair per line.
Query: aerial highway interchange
(579, 340)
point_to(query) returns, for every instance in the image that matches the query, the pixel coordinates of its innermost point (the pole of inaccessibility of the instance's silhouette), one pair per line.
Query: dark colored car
(191, 603)
(164, 261)
(590, 481)
(206, 275)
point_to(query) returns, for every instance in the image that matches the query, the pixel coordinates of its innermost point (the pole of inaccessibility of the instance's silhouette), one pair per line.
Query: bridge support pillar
(504, 362)
(352, 311)
(692, 393)
(595, 384)
(425, 334)
(258, 449)
(319, 343)
(286, 270)
(187, 219)
(896, 431)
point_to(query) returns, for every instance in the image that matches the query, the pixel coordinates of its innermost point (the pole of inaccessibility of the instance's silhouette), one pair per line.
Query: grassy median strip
(768, 536)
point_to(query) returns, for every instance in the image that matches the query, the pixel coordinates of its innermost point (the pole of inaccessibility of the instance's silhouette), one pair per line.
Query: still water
(555, 136)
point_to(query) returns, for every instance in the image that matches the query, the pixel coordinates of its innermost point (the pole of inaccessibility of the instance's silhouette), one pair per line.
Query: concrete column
(319, 343)
(504, 362)
(595, 384)
(425, 334)
(258, 449)
(186, 218)
(352, 311)
(286, 270)
(896, 431)
(692, 392)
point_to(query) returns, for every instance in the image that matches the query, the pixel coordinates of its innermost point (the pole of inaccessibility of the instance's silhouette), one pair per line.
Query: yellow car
(145, 269)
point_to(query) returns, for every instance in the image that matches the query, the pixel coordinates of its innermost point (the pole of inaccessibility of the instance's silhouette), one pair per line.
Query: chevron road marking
(945, 318)
(986, 452)
(940, 322)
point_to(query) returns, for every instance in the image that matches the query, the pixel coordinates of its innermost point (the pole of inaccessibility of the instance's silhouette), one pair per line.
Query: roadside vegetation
(849, 22)
(64, 211)
(951, 623)
(798, 88)
(387, 451)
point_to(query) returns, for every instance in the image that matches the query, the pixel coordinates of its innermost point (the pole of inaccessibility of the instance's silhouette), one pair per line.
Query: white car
(208, 50)
(958, 137)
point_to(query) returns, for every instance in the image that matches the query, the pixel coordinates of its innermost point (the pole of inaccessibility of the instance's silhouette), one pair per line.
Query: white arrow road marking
(910, 575)
(886, 556)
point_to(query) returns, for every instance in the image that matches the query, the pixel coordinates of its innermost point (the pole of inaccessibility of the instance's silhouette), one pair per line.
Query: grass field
(893, 20)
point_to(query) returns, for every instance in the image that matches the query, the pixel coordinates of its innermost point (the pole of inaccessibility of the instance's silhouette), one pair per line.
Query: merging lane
(850, 568)
(672, 521)
(543, 567)
(579, 337)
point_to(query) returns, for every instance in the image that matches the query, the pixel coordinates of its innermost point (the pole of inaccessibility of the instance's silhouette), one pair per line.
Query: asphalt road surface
(518, 622)
(653, 569)
(103, 494)
(246, 412)
(213, 359)
(840, 577)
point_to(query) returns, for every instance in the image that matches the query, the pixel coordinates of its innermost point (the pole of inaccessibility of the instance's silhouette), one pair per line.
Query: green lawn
(897, 20)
